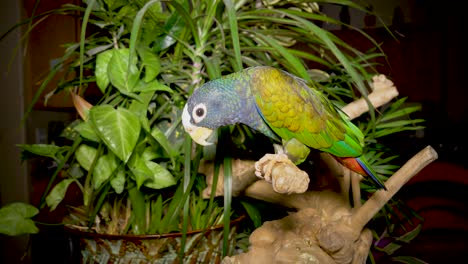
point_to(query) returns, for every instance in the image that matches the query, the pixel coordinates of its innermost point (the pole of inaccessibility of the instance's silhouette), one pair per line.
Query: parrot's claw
(282, 173)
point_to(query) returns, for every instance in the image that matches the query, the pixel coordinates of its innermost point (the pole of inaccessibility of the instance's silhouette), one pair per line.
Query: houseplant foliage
(128, 150)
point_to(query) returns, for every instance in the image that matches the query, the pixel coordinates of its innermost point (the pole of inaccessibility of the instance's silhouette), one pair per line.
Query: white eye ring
(199, 113)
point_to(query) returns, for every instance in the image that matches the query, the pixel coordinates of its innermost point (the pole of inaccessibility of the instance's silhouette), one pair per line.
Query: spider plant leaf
(118, 128)
(231, 12)
(138, 210)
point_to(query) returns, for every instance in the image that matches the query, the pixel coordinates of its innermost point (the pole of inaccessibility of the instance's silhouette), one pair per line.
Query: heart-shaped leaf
(15, 219)
(86, 131)
(58, 193)
(102, 63)
(151, 62)
(85, 155)
(160, 178)
(118, 129)
(121, 74)
(105, 166)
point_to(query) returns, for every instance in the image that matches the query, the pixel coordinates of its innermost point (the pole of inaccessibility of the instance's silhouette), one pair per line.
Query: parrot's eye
(199, 113)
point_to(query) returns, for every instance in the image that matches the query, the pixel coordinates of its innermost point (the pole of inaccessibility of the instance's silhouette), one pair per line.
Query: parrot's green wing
(293, 110)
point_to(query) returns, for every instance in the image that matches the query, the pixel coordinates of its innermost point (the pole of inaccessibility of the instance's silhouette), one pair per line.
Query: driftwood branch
(364, 214)
(383, 92)
(324, 229)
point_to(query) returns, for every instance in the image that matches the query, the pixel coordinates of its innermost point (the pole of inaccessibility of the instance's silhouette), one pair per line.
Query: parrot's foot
(282, 173)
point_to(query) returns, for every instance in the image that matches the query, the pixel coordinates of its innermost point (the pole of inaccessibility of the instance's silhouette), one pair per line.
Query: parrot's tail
(360, 165)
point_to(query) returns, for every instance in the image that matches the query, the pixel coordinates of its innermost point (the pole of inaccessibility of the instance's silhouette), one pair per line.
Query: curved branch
(365, 213)
(384, 91)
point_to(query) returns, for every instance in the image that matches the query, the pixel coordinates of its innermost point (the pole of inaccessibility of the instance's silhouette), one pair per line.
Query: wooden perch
(324, 229)
(383, 92)
(364, 214)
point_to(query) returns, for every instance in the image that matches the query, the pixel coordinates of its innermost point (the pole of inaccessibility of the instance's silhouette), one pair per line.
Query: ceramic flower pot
(201, 246)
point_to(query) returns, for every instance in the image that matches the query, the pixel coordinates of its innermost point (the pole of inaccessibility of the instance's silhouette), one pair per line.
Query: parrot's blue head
(217, 103)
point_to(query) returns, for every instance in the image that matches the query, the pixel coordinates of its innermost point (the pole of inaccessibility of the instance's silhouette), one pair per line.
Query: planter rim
(72, 229)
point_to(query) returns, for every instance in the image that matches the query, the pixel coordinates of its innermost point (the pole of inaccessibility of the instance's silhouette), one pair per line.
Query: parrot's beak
(198, 134)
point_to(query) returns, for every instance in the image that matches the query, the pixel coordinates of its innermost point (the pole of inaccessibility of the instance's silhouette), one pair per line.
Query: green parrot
(281, 106)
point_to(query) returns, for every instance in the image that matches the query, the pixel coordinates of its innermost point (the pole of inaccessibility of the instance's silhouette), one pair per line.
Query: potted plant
(127, 151)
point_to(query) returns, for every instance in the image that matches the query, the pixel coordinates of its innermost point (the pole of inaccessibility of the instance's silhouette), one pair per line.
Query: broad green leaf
(140, 107)
(118, 128)
(105, 166)
(122, 75)
(102, 65)
(45, 150)
(154, 85)
(163, 141)
(15, 219)
(140, 170)
(58, 193)
(174, 27)
(118, 181)
(150, 153)
(85, 156)
(75, 171)
(114, 4)
(151, 62)
(161, 178)
(86, 131)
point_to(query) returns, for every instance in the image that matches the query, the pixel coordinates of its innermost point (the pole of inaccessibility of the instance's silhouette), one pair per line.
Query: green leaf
(140, 171)
(122, 74)
(151, 62)
(118, 128)
(58, 193)
(102, 65)
(408, 260)
(154, 85)
(85, 156)
(118, 181)
(138, 213)
(156, 215)
(86, 131)
(253, 213)
(105, 166)
(163, 141)
(161, 178)
(75, 171)
(15, 219)
(45, 150)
